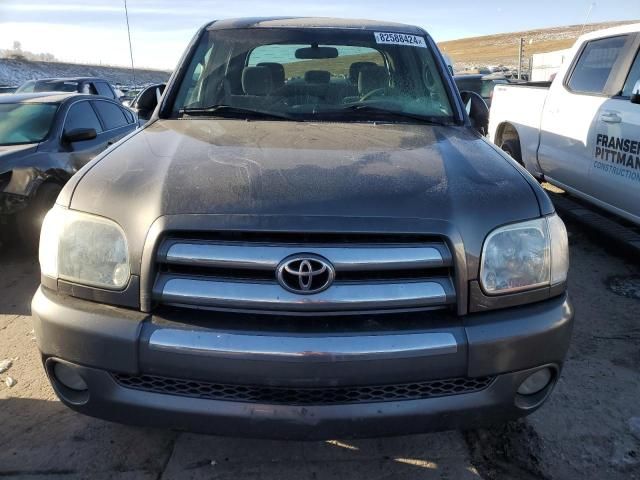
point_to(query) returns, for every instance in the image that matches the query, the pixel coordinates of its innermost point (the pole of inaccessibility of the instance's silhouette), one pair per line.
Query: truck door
(571, 113)
(615, 146)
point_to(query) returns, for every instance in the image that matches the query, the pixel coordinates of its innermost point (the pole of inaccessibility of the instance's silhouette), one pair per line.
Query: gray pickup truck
(309, 239)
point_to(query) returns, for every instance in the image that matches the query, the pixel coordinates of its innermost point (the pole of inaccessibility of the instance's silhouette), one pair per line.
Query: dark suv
(86, 85)
(309, 239)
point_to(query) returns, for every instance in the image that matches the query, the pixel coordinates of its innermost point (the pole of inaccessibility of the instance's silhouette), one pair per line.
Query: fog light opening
(68, 377)
(536, 382)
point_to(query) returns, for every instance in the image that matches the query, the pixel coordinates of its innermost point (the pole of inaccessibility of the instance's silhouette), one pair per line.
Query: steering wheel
(378, 92)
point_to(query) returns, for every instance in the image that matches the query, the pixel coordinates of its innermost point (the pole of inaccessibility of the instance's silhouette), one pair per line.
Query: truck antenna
(133, 69)
(586, 20)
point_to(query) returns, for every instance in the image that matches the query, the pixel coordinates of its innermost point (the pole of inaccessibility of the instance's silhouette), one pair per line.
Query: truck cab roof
(608, 32)
(314, 22)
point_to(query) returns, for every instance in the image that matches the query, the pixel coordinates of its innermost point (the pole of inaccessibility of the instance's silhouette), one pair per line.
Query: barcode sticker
(400, 39)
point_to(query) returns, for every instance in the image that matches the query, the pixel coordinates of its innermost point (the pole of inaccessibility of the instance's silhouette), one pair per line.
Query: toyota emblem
(305, 274)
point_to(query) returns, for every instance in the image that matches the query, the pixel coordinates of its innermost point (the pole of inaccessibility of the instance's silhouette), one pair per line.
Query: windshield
(25, 122)
(26, 87)
(49, 86)
(314, 74)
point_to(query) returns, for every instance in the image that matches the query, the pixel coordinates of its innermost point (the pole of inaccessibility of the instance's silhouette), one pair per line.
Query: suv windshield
(25, 122)
(49, 86)
(314, 74)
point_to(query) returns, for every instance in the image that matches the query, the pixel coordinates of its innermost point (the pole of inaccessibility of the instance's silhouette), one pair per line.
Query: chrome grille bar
(301, 348)
(223, 293)
(344, 258)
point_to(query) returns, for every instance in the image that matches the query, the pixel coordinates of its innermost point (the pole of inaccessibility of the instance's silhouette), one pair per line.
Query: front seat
(356, 68)
(277, 73)
(372, 78)
(256, 81)
(257, 85)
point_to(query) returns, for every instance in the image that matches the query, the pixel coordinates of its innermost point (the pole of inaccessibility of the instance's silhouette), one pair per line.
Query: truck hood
(262, 168)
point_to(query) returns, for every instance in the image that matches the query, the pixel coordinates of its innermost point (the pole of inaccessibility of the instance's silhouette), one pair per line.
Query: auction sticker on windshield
(400, 39)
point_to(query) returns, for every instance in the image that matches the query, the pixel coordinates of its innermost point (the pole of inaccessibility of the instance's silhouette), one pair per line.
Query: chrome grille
(301, 395)
(241, 275)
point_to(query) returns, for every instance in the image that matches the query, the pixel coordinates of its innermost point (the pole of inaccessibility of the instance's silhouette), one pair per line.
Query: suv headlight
(84, 249)
(524, 256)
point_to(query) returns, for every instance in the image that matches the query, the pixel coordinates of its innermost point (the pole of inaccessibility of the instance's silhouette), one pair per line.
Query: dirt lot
(590, 428)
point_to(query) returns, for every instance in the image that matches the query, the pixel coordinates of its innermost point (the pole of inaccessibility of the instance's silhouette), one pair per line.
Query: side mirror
(635, 93)
(477, 110)
(80, 135)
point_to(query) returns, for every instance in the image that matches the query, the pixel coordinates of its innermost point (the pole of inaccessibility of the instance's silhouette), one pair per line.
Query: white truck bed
(581, 133)
(522, 104)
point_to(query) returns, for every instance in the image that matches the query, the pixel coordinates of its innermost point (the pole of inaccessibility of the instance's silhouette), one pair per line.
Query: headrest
(372, 78)
(257, 81)
(355, 68)
(277, 73)
(317, 76)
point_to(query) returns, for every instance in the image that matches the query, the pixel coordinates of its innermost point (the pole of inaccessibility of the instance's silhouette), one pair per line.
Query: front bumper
(99, 341)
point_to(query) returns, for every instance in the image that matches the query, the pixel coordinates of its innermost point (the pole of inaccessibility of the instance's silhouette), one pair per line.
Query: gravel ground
(590, 428)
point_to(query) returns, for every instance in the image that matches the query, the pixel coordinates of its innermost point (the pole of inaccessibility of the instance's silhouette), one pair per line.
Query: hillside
(16, 71)
(337, 66)
(467, 53)
(502, 49)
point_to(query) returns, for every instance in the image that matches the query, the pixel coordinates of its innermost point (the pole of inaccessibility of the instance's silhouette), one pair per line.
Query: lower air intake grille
(303, 396)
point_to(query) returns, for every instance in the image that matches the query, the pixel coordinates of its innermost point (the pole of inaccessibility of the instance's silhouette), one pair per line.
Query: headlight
(524, 256)
(83, 248)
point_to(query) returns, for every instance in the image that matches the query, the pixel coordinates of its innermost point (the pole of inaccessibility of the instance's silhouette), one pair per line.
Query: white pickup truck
(581, 132)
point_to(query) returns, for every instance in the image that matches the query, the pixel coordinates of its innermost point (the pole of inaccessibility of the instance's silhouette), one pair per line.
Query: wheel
(29, 221)
(512, 147)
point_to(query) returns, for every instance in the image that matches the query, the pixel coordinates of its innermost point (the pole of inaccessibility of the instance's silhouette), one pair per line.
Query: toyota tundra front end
(310, 239)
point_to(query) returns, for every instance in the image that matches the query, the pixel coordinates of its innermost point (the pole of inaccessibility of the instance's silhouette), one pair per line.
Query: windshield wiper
(383, 112)
(227, 111)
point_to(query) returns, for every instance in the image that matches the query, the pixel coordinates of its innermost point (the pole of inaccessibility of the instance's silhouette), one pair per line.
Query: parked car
(85, 85)
(129, 92)
(44, 139)
(483, 85)
(146, 101)
(4, 89)
(580, 132)
(315, 259)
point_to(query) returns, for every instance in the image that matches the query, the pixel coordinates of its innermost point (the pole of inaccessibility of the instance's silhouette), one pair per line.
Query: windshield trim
(332, 115)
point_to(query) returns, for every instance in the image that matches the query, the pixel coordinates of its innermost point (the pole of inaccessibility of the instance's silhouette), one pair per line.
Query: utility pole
(133, 69)
(520, 52)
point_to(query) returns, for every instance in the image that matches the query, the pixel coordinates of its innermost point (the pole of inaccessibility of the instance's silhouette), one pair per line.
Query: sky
(94, 31)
